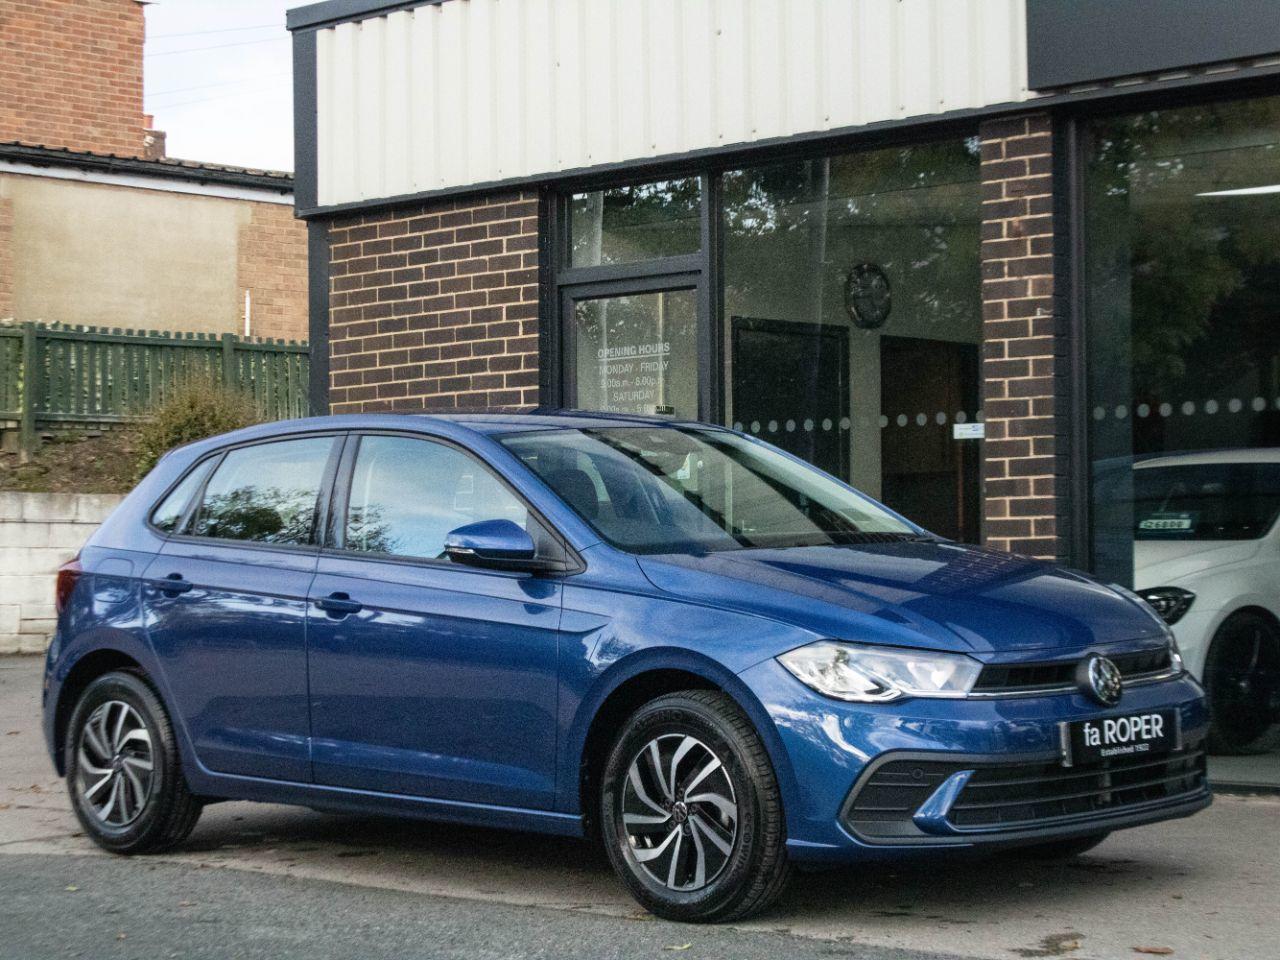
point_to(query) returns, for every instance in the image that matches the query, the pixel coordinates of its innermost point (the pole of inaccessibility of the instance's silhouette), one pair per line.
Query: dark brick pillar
(435, 307)
(1024, 473)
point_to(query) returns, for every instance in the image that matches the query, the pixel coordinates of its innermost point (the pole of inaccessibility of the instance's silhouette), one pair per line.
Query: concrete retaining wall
(38, 533)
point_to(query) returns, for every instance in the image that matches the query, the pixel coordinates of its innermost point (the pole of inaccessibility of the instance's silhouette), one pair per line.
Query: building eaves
(167, 168)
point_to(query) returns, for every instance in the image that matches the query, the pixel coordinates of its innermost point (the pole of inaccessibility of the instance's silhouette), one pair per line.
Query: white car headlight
(878, 674)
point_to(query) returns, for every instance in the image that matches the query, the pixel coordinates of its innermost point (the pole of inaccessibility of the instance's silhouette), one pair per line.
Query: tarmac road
(283, 882)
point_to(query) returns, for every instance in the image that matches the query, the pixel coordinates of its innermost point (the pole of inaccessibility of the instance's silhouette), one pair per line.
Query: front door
(428, 678)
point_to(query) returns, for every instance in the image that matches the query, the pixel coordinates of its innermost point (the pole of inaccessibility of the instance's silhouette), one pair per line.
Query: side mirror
(497, 544)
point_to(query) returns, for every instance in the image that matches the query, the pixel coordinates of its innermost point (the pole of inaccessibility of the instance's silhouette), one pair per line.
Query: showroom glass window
(853, 321)
(1182, 225)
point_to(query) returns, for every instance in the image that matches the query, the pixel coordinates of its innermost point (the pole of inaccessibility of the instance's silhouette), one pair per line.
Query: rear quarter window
(167, 516)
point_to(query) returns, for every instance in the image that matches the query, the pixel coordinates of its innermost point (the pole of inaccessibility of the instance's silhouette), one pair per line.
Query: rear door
(226, 600)
(430, 678)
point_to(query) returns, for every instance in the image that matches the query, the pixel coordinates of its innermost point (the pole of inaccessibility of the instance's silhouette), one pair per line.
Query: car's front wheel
(691, 811)
(123, 770)
(1242, 680)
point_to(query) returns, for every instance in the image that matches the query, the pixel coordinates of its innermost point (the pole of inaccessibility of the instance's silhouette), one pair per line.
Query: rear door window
(266, 493)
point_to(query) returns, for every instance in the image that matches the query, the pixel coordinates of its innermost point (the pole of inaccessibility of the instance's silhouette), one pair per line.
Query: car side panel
(443, 685)
(233, 651)
(103, 614)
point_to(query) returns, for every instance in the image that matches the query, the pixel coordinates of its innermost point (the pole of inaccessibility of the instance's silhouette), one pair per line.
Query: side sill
(344, 799)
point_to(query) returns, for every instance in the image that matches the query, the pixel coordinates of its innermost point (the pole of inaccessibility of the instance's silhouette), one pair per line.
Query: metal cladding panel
(465, 92)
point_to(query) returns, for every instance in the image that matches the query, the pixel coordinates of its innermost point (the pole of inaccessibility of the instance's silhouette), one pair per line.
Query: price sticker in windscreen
(1168, 523)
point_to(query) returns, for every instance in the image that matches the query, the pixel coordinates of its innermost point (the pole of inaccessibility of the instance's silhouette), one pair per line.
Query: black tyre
(690, 811)
(1059, 849)
(1242, 680)
(123, 771)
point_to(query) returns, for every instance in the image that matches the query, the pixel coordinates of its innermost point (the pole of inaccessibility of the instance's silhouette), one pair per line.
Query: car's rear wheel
(123, 770)
(691, 812)
(1242, 679)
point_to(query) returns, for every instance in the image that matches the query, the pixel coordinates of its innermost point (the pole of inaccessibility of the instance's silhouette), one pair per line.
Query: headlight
(879, 674)
(1170, 602)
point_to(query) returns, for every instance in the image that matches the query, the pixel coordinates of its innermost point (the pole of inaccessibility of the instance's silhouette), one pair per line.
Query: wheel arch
(642, 677)
(1255, 608)
(84, 671)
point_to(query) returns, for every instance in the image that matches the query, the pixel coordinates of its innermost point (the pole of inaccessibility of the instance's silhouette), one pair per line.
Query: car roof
(491, 424)
(1258, 455)
(553, 419)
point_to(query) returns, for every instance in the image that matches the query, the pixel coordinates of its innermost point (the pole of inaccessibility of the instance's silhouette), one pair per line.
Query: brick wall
(71, 74)
(271, 263)
(1024, 472)
(435, 306)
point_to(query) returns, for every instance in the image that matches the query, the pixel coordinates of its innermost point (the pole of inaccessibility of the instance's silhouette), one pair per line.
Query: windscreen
(694, 490)
(1205, 501)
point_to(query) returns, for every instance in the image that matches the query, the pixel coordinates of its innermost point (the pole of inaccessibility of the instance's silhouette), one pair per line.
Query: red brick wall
(435, 307)
(272, 266)
(71, 74)
(1024, 475)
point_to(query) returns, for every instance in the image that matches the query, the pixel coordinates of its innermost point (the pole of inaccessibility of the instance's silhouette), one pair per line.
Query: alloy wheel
(115, 764)
(679, 812)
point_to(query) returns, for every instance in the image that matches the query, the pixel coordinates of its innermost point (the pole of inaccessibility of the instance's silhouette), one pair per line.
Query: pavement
(274, 881)
(1259, 767)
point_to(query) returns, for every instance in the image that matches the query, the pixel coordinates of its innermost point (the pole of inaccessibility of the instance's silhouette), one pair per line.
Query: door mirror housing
(496, 544)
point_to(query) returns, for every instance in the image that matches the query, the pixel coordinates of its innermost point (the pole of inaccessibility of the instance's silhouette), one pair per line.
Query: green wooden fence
(53, 374)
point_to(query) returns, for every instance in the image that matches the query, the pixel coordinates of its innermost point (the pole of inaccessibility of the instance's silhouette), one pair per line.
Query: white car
(1207, 556)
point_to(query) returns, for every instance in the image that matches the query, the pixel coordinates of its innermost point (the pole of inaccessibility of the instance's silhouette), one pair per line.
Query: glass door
(635, 317)
(632, 347)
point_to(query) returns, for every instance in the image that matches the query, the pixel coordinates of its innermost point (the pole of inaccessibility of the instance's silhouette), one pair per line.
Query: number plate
(1107, 738)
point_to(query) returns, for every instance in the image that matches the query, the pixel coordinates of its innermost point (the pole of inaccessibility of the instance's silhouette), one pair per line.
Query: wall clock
(867, 296)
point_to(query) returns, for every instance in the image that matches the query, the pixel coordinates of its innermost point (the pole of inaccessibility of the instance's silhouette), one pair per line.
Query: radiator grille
(1019, 677)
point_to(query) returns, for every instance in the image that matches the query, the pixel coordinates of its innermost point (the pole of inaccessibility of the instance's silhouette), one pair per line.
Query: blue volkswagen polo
(716, 659)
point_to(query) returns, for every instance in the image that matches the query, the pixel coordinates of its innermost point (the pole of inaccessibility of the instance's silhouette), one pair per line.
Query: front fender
(654, 659)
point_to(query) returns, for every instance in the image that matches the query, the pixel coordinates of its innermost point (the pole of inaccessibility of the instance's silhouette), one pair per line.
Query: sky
(217, 80)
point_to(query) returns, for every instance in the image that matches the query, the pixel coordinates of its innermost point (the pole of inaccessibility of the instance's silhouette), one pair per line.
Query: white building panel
(468, 92)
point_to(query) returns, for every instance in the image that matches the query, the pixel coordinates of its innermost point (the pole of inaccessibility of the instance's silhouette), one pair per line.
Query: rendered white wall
(38, 533)
(472, 91)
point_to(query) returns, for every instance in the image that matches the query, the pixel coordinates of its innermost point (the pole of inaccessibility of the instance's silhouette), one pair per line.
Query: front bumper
(988, 769)
(919, 799)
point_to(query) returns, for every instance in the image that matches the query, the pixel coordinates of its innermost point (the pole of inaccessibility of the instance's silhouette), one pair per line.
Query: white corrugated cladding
(472, 91)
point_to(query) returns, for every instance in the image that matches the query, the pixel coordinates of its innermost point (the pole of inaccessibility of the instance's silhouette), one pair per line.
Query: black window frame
(691, 271)
(568, 562)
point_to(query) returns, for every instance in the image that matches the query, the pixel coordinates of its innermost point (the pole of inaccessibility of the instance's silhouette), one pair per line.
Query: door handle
(173, 584)
(339, 603)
